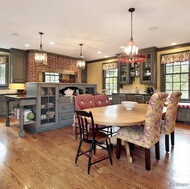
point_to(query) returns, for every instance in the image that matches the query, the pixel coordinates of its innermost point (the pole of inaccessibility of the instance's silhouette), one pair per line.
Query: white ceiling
(101, 25)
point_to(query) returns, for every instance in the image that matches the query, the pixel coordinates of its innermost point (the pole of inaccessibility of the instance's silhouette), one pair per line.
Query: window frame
(114, 83)
(163, 79)
(52, 74)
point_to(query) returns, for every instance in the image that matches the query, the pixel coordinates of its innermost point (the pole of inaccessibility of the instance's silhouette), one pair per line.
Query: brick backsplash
(56, 63)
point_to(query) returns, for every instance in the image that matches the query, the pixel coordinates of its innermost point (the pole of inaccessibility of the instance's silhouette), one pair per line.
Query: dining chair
(101, 100)
(168, 124)
(93, 137)
(147, 135)
(81, 102)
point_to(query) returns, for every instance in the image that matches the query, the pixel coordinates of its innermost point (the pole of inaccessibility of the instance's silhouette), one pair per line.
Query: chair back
(168, 124)
(153, 118)
(86, 134)
(101, 100)
(83, 101)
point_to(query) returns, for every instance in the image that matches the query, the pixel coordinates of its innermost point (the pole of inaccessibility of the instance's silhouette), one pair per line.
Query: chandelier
(130, 54)
(81, 63)
(40, 56)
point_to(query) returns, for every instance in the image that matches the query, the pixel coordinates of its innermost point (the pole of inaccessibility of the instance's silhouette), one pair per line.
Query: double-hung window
(110, 78)
(176, 74)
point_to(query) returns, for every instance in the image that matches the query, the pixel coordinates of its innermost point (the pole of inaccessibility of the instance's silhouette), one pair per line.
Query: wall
(94, 71)
(56, 63)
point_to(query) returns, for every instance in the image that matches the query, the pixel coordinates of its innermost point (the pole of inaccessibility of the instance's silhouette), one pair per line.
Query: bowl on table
(129, 105)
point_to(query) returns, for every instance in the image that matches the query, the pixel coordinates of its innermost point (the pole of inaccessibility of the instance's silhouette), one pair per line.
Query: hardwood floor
(46, 161)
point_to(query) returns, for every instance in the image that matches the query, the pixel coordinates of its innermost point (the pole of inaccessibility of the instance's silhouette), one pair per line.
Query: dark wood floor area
(46, 161)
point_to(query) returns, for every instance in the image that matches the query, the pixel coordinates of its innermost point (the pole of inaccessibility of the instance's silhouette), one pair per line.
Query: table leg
(21, 132)
(129, 158)
(7, 122)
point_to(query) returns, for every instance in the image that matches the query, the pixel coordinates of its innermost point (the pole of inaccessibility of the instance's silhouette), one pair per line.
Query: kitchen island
(23, 100)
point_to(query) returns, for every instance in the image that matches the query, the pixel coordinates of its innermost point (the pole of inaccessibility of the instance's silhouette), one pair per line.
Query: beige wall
(94, 72)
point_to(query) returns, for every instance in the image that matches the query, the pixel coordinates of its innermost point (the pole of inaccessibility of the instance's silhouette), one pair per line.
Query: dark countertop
(20, 97)
(144, 94)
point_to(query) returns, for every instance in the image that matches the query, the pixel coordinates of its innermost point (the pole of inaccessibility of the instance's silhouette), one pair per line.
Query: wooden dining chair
(147, 135)
(168, 123)
(91, 136)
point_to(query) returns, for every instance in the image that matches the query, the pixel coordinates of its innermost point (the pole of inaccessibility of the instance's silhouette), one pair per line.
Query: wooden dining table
(118, 115)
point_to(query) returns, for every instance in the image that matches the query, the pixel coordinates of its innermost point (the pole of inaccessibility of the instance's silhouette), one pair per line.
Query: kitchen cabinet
(89, 89)
(183, 114)
(3, 106)
(47, 105)
(148, 69)
(140, 98)
(18, 66)
(124, 74)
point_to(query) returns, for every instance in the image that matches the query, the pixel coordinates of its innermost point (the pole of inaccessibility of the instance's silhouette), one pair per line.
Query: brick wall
(56, 63)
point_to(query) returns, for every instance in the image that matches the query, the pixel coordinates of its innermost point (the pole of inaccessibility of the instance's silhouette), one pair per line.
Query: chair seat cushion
(133, 134)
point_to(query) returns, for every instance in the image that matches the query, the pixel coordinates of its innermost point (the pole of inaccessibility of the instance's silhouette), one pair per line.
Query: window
(51, 77)
(177, 78)
(3, 71)
(110, 80)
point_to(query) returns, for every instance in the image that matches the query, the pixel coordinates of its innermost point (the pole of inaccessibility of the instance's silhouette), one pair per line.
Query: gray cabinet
(183, 114)
(148, 71)
(140, 98)
(124, 75)
(66, 111)
(18, 66)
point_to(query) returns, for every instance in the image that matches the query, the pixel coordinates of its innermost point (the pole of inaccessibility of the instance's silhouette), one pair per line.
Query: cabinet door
(48, 106)
(183, 114)
(124, 76)
(115, 98)
(89, 89)
(18, 66)
(148, 72)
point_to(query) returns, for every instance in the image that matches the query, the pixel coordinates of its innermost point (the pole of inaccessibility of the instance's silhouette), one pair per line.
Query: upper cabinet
(148, 72)
(18, 66)
(124, 74)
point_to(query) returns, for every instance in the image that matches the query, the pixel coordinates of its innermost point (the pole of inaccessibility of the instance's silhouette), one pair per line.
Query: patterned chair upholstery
(147, 135)
(82, 102)
(101, 100)
(168, 124)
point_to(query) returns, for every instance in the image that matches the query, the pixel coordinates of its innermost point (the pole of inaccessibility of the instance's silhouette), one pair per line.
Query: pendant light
(81, 62)
(40, 56)
(131, 54)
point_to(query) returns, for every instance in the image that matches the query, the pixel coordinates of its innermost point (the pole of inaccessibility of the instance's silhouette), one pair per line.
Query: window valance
(109, 66)
(3, 60)
(178, 57)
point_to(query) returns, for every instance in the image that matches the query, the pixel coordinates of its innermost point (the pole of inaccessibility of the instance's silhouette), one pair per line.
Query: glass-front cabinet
(124, 74)
(148, 68)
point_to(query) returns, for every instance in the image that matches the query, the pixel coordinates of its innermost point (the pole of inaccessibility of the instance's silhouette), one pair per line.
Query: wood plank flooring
(46, 161)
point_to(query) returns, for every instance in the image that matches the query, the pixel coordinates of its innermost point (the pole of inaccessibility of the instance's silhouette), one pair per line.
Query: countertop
(144, 94)
(20, 97)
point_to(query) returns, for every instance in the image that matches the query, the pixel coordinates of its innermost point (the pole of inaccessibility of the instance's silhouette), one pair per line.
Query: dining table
(118, 115)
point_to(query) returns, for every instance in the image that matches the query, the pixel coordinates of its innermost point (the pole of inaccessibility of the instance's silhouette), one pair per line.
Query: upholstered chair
(93, 137)
(101, 100)
(168, 124)
(148, 134)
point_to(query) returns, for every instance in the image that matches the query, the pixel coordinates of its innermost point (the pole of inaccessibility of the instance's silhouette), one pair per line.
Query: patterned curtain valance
(179, 57)
(3, 60)
(109, 66)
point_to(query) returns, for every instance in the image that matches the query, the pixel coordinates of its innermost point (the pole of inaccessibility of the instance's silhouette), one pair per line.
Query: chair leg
(90, 157)
(157, 150)
(167, 143)
(109, 153)
(78, 151)
(147, 159)
(172, 138)
(118, 148)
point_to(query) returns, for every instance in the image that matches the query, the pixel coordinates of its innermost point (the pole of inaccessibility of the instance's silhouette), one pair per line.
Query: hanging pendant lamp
(40, 56)
(81, 62)
(130, 54)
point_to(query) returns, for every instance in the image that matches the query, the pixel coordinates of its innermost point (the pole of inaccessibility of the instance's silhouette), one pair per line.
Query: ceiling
(100, 25)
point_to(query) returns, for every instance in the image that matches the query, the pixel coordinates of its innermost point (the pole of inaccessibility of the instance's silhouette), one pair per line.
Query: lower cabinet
(140, 98)
(183, 114)
(66, 111)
